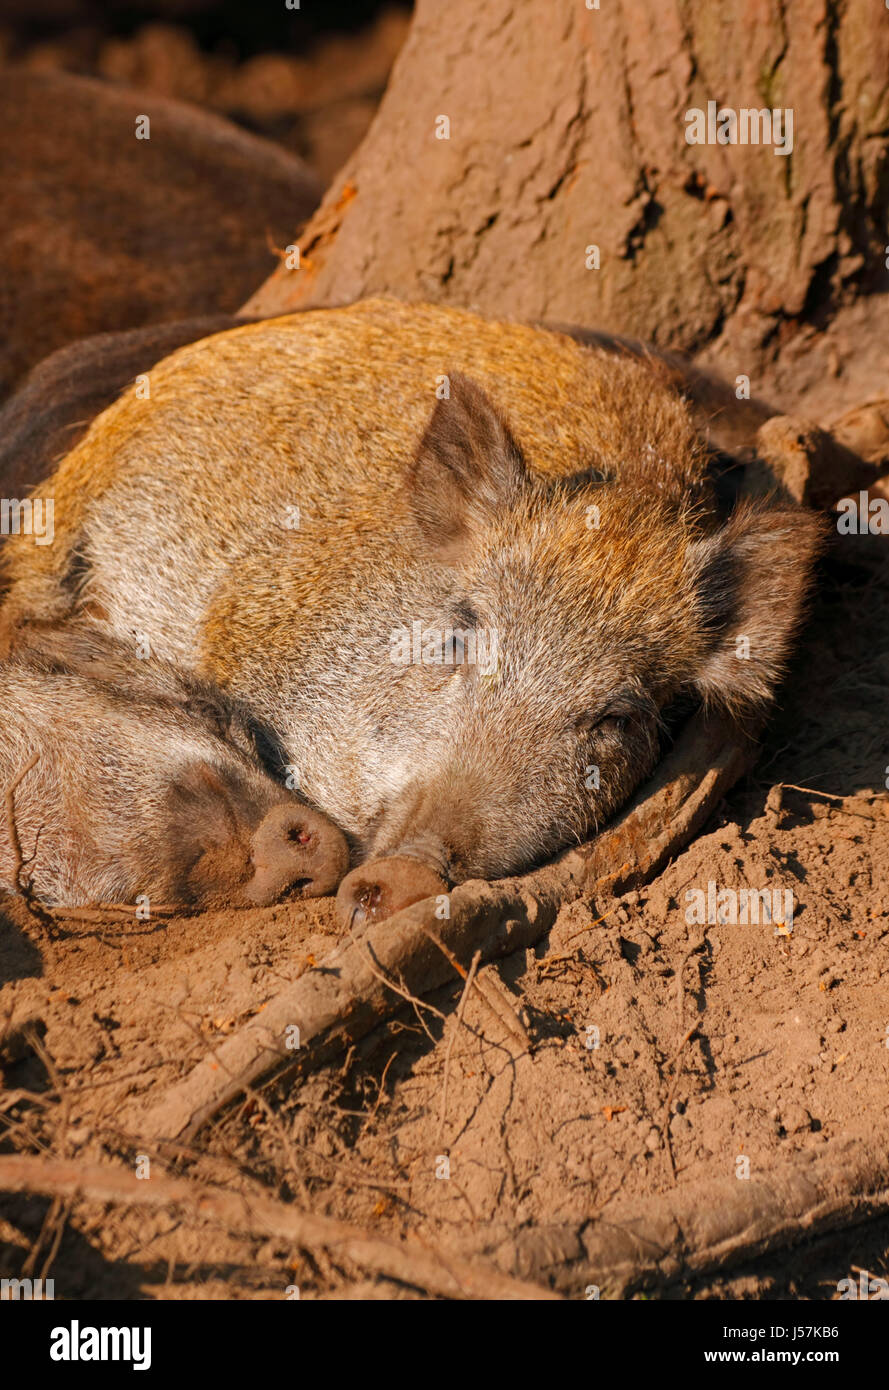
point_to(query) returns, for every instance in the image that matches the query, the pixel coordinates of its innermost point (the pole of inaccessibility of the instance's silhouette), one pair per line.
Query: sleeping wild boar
(456, 569)
(137, 781)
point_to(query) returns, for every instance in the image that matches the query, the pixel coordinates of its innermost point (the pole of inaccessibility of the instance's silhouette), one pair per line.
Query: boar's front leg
(382, 887)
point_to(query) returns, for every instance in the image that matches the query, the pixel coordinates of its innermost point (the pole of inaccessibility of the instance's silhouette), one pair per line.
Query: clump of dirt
(663, 1048)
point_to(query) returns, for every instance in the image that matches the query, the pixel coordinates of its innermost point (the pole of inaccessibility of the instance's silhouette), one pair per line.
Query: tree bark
(568, 130)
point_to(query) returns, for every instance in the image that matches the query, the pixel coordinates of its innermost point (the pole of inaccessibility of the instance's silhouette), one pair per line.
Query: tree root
(422, 1267)
(347, 994)
(705, 1226)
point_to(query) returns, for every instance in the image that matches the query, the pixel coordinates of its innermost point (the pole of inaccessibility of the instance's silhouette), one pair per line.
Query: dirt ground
(790, 1048)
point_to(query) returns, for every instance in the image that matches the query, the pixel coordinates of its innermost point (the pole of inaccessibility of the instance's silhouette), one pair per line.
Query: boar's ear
(751, 580)
(466, 469)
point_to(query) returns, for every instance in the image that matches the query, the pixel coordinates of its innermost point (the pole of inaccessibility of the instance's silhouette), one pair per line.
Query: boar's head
(578, 609)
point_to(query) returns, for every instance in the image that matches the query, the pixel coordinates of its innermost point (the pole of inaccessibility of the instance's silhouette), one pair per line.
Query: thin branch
(24, 883)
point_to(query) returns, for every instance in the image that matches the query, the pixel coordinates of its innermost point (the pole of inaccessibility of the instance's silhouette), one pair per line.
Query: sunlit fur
(172, 524)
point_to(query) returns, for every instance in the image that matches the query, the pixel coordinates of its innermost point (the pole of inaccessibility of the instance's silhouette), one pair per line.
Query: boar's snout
(382, 887)
(295, 846)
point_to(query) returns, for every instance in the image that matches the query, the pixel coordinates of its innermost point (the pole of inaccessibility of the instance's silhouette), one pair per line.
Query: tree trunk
(567, 131)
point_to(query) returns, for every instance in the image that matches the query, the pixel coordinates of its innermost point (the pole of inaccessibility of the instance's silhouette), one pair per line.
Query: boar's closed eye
(600, 723)
(617, 713)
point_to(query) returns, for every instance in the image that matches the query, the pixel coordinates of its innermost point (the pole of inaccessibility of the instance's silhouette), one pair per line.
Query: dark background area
(308, 79)
(236, 26)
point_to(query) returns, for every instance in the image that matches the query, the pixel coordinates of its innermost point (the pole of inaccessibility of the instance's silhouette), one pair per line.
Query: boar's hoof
(295, 847)
(382, 887)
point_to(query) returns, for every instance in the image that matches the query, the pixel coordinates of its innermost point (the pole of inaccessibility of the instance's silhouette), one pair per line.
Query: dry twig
(23, 882)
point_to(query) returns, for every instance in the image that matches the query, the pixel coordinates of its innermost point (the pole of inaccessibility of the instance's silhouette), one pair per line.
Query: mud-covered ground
(790, 1048)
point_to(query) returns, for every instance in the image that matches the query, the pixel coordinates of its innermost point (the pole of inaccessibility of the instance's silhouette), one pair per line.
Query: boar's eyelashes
(622, 708)
(467, 468)
(751, 579)
(587, 724)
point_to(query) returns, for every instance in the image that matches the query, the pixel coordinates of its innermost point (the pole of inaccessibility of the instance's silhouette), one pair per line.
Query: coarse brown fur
(448, 472)
(134, 781)
(102, 230)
